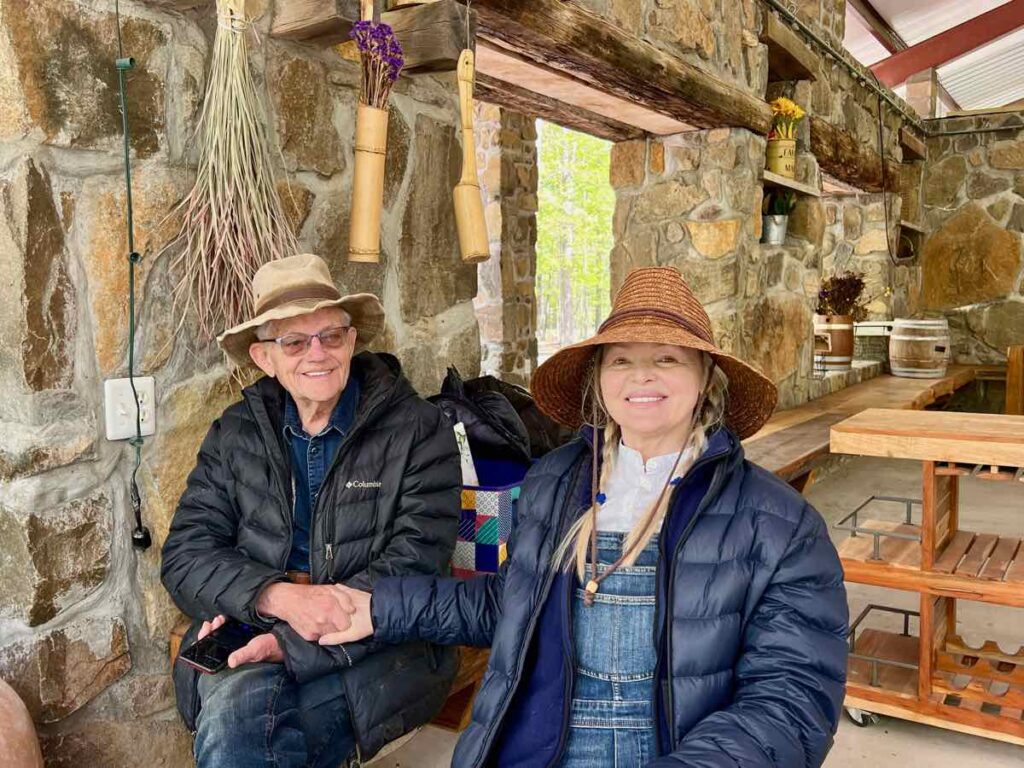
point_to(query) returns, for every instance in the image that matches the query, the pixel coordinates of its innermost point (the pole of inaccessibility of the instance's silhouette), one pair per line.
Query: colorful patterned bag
(485, 523)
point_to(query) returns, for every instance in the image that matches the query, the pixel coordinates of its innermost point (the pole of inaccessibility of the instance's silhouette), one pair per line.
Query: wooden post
(1015, 380)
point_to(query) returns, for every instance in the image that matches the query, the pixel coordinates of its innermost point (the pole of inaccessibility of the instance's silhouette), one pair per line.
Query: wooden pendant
(474, 245)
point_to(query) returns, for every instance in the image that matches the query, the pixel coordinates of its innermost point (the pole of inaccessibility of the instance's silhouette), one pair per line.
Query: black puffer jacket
(388, 506)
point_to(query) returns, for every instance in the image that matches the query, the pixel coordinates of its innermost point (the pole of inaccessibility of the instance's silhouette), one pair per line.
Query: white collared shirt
(632, 488)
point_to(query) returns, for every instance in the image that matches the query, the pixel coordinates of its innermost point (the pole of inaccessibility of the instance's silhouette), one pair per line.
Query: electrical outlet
(119, 407)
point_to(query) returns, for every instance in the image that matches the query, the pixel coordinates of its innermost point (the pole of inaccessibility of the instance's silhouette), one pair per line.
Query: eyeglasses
(294, 344)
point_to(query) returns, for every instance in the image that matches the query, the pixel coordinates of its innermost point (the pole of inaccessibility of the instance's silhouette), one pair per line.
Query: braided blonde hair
(577, 540)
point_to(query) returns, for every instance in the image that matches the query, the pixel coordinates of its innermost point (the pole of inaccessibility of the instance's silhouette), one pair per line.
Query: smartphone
(210, 655)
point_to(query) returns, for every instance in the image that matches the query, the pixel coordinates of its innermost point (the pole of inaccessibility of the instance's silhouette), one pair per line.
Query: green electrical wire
(141, 538)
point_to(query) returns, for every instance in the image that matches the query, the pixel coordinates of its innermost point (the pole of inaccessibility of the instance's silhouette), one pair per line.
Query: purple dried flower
(382, 60)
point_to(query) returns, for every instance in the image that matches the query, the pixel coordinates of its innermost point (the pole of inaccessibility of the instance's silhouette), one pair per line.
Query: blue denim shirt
(311, 458)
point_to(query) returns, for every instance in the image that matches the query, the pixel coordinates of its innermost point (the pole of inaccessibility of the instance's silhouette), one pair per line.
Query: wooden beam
(950, 44)
(326, 22)
(840, 155)
(526, 102)
(789, 57)
(879, 28)
(912, 145)
(566, 37)
(432, 34)
(554, 85)
(1015, 380)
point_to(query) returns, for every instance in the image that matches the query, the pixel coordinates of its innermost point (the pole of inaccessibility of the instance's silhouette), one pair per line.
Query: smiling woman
(664, 601)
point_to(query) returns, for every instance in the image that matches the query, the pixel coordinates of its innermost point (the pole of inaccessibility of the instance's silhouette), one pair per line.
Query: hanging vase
(782, 157)
(368, 184)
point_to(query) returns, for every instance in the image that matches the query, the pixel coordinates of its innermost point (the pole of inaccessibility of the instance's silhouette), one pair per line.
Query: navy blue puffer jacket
(754, 615)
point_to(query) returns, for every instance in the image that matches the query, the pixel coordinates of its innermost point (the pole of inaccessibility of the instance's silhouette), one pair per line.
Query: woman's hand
(312, 610)
(362, 620)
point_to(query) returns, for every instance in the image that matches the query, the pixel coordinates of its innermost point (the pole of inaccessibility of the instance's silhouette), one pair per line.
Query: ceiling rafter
(951, 43)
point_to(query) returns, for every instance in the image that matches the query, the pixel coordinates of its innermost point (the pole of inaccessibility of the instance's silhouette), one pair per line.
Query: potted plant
(777, 206)
(786, 113)
(840, 304)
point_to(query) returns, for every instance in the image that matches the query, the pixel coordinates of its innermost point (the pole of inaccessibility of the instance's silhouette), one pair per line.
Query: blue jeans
(257, 715)
(612, 717)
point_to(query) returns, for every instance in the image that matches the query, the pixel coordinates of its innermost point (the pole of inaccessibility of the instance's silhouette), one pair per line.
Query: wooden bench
(795, 441)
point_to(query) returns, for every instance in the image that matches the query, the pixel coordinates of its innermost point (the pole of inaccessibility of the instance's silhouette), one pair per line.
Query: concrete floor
(985, 506)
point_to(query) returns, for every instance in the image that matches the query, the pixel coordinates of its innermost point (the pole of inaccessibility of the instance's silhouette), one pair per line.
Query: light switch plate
(119, 407)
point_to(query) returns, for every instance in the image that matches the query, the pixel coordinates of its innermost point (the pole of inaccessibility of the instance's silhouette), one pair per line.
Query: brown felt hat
(653, 305)
(300, 285)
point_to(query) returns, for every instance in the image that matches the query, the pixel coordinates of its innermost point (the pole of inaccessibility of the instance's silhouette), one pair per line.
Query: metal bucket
(773, 229)
(781, 157)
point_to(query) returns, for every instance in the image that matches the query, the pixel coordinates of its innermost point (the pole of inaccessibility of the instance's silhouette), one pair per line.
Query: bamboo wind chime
(233, 221)
(474, 245)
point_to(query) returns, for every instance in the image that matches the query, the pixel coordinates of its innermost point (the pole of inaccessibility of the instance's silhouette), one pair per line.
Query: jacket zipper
(521, 661)
(716, 482)
(329, 517)
(570, 656)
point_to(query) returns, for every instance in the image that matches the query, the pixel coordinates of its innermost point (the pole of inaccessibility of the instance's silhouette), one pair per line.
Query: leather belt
(298, 577)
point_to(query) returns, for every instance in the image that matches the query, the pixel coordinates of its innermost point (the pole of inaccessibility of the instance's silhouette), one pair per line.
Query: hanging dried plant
(233, 218)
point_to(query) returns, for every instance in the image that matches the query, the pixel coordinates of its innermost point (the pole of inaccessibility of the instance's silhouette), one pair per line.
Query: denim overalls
(612, 715)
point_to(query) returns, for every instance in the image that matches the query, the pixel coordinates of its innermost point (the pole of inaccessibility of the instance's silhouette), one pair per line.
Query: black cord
(141, 538)
(885, 196)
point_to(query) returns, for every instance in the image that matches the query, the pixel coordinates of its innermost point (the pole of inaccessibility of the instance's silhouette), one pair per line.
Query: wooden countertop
(942, 436)
(794, 439)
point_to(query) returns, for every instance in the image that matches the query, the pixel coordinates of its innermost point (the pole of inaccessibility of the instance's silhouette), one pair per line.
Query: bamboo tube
(368, 184)
(474, 244)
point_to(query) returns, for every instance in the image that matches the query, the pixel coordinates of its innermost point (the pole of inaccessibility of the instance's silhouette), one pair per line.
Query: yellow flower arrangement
(786, 113)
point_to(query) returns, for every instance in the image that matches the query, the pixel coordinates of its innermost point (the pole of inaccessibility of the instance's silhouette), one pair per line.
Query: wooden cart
(934, 677)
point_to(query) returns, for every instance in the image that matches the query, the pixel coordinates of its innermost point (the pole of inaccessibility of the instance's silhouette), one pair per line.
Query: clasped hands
(326, 613)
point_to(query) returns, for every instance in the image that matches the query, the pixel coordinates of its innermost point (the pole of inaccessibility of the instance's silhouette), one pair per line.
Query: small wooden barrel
(919, 349)
(837, 353)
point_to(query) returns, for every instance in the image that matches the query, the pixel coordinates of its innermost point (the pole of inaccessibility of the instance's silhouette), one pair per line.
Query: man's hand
(260, 648)
(361, 618)
(312, 610)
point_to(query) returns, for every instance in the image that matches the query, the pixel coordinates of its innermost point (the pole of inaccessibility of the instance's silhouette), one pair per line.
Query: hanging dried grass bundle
(233, 218)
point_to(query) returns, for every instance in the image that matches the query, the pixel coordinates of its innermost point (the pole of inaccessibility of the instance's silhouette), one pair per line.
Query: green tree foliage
(574, 234)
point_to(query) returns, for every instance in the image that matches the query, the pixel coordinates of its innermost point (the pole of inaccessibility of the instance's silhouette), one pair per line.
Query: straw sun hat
(654, 305)
(300, 285)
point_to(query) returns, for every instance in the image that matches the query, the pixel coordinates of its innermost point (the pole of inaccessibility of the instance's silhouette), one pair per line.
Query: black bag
(494, 429)
(545, 433)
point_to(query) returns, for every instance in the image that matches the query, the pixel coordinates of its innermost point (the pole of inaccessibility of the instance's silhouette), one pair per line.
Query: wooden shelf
(885, 646)
(789, 57)
(775, 180)
(942, 436)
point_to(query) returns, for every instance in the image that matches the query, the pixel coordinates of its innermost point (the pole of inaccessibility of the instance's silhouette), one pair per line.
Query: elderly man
(330, 470)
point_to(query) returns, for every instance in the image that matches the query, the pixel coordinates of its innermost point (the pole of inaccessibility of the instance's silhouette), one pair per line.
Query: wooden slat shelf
(974, 690)
(775, 180)
(887, 646)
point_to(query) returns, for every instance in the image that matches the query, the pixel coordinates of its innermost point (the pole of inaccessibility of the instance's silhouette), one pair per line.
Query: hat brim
(365, 309)
(557, 384)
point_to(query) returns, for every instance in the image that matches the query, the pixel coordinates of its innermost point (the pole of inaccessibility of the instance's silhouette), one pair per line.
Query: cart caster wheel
(861, 718)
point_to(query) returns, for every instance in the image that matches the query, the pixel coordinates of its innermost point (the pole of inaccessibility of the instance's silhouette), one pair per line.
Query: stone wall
(971, 264)
(83, 619)
(506, 303)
